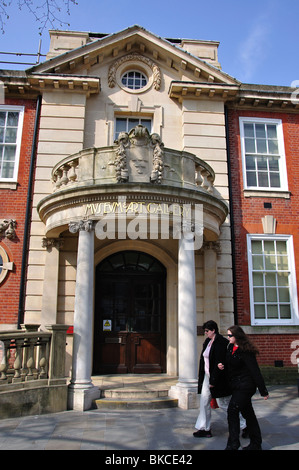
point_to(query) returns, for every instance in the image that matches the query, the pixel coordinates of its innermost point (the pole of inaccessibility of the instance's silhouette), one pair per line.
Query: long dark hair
(242, 340)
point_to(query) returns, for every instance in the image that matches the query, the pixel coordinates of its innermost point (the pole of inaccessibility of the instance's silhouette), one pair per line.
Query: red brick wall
(13, 206)
(247, 215)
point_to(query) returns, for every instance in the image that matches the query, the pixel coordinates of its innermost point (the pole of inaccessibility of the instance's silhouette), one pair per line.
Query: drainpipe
(231, 216)
(28, 217)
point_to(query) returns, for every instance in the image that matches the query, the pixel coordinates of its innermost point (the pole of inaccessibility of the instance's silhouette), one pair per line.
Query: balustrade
(100, 166)
(27, 355)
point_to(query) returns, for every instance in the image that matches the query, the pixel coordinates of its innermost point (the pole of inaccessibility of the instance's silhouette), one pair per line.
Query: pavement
(170, 431)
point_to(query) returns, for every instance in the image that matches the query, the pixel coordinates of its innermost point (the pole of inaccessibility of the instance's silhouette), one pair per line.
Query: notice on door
(107, 325)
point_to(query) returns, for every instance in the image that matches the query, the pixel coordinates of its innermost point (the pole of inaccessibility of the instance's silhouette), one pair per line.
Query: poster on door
(107, 325)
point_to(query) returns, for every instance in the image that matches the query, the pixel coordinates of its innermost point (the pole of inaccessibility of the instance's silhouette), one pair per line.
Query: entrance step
(135, 399)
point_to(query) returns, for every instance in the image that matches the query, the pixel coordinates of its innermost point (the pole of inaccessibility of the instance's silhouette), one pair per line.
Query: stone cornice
(243, 96)
(198, 90)
(31, 85)
(72, 83)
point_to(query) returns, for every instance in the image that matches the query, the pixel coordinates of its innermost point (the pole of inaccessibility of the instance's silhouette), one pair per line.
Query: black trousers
(241, 402)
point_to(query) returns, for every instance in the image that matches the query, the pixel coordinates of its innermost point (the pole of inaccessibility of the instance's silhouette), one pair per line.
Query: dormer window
(134, 80)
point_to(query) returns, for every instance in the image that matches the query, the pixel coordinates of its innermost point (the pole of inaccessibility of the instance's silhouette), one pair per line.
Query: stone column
(186, 388)
(50, 289)
(81, 390)
(211, 297)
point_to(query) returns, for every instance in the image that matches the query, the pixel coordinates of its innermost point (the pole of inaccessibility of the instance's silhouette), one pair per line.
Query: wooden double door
(130, 317)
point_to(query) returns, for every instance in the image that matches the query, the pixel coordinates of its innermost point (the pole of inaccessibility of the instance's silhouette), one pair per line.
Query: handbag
(214, 404)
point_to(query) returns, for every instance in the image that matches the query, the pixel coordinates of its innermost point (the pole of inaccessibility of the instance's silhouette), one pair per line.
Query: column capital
(212, 245)
(52, 242)
(81, 225)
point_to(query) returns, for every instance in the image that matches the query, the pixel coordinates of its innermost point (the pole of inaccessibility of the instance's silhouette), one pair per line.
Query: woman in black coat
(212, 382)
(244, 377)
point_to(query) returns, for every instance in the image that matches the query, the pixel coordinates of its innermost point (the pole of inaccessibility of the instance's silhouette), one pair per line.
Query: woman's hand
(220, 366)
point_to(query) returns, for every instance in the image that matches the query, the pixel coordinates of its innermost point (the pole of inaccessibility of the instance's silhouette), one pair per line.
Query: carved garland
(135, 57)
(139, 135)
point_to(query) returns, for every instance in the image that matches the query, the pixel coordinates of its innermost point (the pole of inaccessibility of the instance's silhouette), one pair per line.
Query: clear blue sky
(258, 39)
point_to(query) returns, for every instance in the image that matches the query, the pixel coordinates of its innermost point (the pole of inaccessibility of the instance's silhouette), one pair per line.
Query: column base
(186, 394)
(81, 399)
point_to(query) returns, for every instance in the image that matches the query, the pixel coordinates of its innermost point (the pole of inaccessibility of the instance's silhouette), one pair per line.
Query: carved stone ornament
(52, 242)
(139, 58)
(8, 228)
(82, 225)
(138, 137)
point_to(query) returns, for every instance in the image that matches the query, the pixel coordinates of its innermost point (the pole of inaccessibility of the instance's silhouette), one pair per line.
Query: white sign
(107, 325)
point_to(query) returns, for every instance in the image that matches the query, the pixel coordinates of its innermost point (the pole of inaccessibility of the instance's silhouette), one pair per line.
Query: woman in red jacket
(244, 377)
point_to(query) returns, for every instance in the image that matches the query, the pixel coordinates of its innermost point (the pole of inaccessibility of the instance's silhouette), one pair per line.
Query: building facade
(263, 134)
(140, 226)
(18, 130)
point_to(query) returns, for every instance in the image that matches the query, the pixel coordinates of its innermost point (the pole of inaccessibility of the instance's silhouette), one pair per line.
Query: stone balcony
(138, 167)
(137, 157)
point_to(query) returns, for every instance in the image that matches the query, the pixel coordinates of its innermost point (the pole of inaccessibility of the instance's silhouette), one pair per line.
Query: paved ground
(154, 430)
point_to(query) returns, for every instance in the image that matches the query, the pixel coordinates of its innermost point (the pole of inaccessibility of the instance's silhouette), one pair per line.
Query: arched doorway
(130, 314)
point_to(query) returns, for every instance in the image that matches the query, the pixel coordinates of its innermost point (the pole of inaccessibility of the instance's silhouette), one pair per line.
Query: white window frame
(20, 110)
(294, 320)
(281, 147)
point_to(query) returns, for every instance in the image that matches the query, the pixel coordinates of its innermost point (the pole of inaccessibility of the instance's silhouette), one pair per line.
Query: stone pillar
(50, 289)
(186, 388)
(211, 297)
(81, 390)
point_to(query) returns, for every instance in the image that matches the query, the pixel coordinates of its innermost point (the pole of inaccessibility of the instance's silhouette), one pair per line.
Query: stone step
(127, 393)
(134, 399)
(135, 403)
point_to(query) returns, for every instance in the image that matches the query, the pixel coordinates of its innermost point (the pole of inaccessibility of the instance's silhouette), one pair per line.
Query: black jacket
(244, 372)
(218, 378)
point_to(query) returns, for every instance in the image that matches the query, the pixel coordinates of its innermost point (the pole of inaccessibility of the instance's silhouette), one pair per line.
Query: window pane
(260, 131)
(263, 180)
(12, 119)
(7, 170)
(121, 125)
(9, 153)
(270, 263)
(282, 263)
(251, 179)
(250, 146)
(270, 279)
(250, 162)
(273, 163)
(283, 279)
(258, 295)
(133, 123)
(285, 311)
(257, 263)
(269, 247)
(274, 180)
(262, 163)
(248, 130)
(273, 147)
(258, 279)
(11, 136)
(259, 312)
(281, 247)
(272, 311)
(271, 131)
(2, 118)
(257, 247)
(261, 146)
(147, 123)
(284, 295)
(271, 295)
